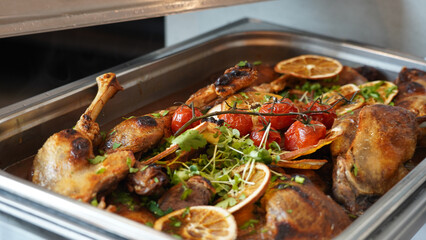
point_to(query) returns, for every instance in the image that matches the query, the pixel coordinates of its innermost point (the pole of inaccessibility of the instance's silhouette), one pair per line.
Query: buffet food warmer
(159, 79)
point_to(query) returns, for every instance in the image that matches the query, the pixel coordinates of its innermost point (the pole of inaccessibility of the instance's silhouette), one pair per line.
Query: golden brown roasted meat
(299, 211)
(138, 134)
(200, 193)
(369, 157)
(62, 164)
(233, 80)
(149, 180)
(412, 91)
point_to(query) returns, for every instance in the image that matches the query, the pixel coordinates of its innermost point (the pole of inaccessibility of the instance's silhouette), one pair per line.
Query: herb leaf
(190, 139)
(116, 145)
(154, 208)
(97, 159)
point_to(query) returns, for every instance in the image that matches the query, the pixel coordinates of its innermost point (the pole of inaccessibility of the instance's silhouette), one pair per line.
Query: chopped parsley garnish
(102, 170)
(289, 210)
(156, 180)
(355, 170)
(149, 224)
(257, 63)
(94, 202)
(116, 145)
(113, 132)
(249, 223)
(103, 135)
(244, 95)
(175, 222)
(316, 89)
(371, 92)
(129, 165)
(185, 212)
(391, 90)
(299, 179)
(124, 198)
(154, 208)
(160, 114)
(128, 117)
(97, 159)
(242, 64)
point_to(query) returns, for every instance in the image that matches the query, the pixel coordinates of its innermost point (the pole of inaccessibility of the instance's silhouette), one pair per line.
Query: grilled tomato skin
(241, 122)
(258, 132)
(283, 106)
(182, 115)
(325, 118)
(301, 135)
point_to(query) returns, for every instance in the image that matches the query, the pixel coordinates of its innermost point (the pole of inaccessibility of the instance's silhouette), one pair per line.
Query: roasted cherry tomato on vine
(258, 132)
(300, 135)
(241, 122)
(326, 118)
(283, 106)
(182, 115)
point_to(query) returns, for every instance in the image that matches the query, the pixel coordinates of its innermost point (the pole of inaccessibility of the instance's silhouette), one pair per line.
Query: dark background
(34, 64)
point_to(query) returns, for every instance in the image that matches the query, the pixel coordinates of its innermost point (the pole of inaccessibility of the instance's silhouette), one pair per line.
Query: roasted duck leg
(62, 164)
(369, 157)
(292, 210)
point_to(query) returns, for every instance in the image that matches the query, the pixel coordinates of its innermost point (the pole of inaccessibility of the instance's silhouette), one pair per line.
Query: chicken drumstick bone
(62, 164)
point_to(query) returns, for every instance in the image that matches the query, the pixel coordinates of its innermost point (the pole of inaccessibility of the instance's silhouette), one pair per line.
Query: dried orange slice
(199, 222)
(310, 67)
(348, 92)
(255, 178)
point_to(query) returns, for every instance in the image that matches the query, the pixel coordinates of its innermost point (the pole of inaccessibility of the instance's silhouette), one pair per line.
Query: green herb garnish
(299, 179)
(116, 145)
(97, 159)
(102, 170)
(249, 223)
(190, 139)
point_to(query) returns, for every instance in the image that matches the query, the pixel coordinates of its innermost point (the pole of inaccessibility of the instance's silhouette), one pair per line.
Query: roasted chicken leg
(369, 157)
(62, 164)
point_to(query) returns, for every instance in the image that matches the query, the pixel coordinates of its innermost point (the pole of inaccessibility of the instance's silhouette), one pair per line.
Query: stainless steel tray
(25, 126)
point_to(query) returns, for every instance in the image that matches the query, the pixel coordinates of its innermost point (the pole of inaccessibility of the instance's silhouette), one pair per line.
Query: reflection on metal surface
(35, 16)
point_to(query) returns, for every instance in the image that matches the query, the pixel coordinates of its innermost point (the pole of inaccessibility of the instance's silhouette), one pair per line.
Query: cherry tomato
(284, 106)
(258, 132)
(326, 118)
(301, 135)
(241, 122)
(182, 115)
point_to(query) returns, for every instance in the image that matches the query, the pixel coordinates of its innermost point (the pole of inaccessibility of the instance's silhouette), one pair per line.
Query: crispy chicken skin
(299, 211)
(412, 91)
(62, 164)
(138, 134)
(369, 157)
(232, 80)
(201, 193)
